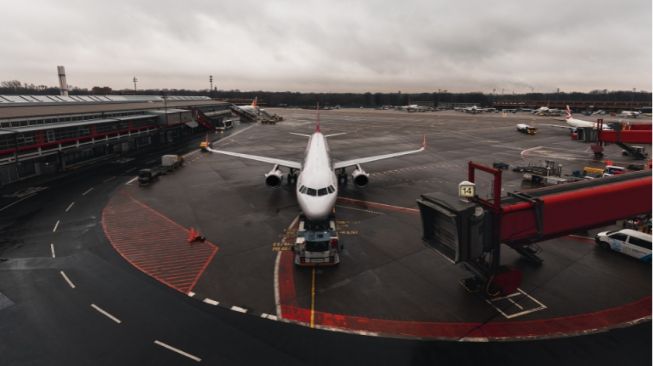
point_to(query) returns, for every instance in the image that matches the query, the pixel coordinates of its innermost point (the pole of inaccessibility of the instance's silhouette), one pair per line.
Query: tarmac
(389, 283)
(81, 286)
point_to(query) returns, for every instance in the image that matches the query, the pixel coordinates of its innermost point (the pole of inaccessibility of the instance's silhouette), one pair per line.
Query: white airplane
(316, 182)
(629, 114)
(579, 123)
(253, 111)
(413, 108)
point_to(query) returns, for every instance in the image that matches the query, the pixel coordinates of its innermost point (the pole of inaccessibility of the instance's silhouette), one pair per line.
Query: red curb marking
(551, 327)
(155, 244)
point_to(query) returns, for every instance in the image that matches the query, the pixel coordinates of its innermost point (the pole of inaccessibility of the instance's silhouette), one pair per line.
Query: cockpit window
(302, 189)
(321, 191)
(331, 189)
(311, 192)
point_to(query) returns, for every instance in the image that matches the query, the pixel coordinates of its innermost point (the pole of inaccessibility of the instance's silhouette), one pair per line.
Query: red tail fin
(568, 115)
(317, 125)
(254, 102)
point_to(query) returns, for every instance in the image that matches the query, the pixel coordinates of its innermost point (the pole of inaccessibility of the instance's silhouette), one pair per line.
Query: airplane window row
(317, 192)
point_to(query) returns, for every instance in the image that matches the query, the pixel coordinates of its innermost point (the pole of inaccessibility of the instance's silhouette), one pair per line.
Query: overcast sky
(305, 45)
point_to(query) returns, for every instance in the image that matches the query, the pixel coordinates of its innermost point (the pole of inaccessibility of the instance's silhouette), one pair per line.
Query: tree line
(288, 98)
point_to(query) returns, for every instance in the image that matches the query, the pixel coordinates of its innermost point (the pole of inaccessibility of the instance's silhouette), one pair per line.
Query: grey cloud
(332, 46)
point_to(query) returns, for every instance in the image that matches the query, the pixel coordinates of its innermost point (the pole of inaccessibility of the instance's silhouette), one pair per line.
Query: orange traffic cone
(192, 235)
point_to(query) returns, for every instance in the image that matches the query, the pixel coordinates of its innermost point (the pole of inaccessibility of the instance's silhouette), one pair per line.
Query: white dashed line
(190, 294)
(87, 191)
(109, 179)
(131, 181)
(211, 301)
(52, 250)
(268, 316)
(70, 283)
(177, 350)
(238, 309)
(101, 311)
(54, 229)
(70, 206)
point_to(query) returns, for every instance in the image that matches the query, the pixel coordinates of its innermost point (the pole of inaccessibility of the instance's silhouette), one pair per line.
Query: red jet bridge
(472, 232)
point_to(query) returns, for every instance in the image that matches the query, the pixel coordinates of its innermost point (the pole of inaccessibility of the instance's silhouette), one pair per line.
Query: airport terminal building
(47, 134)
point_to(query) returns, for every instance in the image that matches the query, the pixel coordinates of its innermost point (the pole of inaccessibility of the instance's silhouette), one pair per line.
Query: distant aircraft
(629, 114)
(413, 108)
(252, 112)
(574, 123)
(475, 109)
(540, 111)
(546, 111)
(315, 177)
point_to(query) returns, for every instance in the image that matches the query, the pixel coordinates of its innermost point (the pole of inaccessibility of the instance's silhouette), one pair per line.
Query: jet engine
(361, 178)
(274, 177)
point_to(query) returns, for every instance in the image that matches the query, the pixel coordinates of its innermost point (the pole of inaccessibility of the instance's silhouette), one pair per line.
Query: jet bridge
(471, 232)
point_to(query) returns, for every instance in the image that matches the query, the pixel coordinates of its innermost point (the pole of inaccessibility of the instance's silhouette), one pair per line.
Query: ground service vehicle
(628, 241)
(317, 244)
(147, 176)
(171, 162)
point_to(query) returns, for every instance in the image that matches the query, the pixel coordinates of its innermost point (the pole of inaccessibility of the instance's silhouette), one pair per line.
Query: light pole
(135, 81)
(211, 85)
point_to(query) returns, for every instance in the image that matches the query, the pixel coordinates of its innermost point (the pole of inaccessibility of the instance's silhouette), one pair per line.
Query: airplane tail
(568, 113)
(317, 125)
(254, 102)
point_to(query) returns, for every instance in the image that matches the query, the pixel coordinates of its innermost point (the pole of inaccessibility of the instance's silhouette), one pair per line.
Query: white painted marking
(103, 312)
(268, 316)
(522, 313)
(70, 206)
(211, 301)
(474, 339)
(131, 181)
(529, 150)
(277, 301)
(109, 179)
(52, 250)
(87, 191)
(17, 201)
(54, 229)
(191, 294)
(514, 303)
(238, 309)
(70, 283)
(177, 350)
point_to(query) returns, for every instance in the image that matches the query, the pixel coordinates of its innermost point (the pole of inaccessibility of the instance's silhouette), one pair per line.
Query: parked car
(628, 241)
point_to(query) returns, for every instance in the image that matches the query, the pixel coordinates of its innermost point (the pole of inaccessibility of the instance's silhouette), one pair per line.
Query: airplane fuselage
(317, 186)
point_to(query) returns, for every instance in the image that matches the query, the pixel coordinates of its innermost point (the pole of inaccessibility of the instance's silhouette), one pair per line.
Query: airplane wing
(264, 159)
(352, 162)
(559, 126)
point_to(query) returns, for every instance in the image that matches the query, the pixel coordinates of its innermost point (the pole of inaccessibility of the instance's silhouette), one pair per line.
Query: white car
(628, 241)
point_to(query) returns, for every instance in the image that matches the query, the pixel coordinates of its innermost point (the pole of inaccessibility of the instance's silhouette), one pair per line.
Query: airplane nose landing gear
(292, 177)
(342, 177)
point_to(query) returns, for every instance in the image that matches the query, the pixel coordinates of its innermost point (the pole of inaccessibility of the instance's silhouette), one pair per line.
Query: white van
(628, 241)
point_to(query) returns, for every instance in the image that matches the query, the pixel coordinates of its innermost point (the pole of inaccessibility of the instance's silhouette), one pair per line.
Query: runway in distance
(315, 177)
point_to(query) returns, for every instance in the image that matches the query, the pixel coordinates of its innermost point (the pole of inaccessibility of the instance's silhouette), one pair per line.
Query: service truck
(317, 244)
(171, 162)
